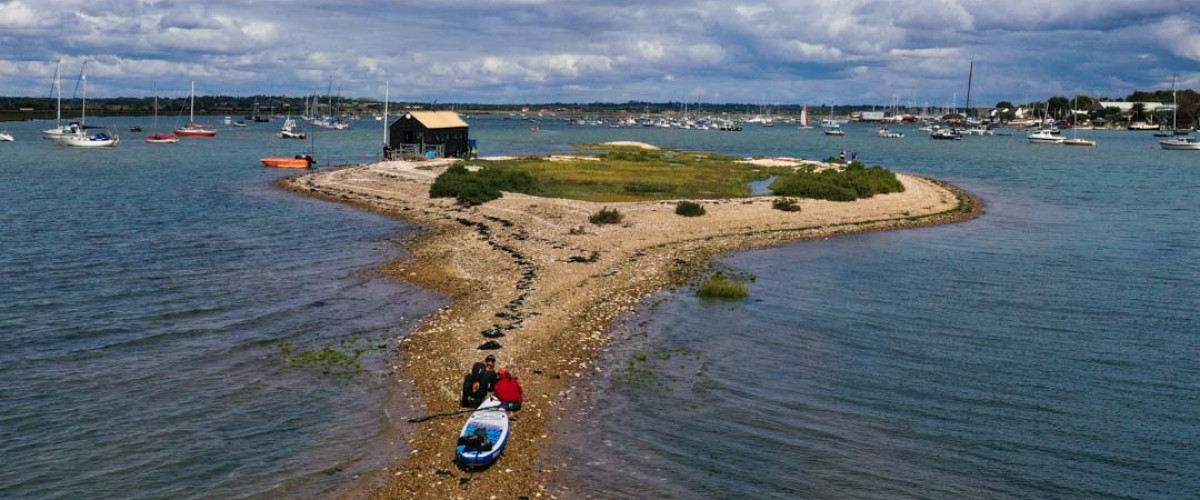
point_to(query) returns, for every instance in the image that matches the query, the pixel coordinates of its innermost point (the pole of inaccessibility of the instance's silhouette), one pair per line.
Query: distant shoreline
(524, 266)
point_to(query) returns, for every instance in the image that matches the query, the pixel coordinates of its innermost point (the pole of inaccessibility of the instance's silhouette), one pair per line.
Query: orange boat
(298, 161)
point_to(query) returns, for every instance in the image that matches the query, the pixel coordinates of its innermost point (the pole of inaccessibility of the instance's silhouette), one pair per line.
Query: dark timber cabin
(418, 133)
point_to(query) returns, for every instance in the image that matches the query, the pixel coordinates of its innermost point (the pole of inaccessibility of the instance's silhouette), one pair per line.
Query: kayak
(483, 436)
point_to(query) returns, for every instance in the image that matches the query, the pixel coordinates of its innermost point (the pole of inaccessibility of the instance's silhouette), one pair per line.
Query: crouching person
(508, 390)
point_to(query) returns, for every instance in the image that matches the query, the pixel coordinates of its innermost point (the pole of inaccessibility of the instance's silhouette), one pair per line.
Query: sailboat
(101, 138)
(805, 123)
(1075, 140)
(156, 137)
(60, 132)
(1183, 142)
(831, 126)
(193, 129)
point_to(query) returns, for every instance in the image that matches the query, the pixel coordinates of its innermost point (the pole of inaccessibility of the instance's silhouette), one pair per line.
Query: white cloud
(17, 15)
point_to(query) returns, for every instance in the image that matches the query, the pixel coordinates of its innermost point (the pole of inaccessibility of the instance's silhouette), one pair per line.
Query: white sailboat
(97, 138)
(1075, 140)
(1178, 143)
(60, 132)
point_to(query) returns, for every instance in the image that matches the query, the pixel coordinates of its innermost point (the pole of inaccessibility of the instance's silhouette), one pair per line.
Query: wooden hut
(426, 134)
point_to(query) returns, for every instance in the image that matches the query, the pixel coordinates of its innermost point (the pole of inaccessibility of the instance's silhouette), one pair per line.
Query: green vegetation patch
(851, 183)
(606, 216)
(690, 209)
(785, 204)
(719, 286)
(633, 174)
(328, 360)
(476, 188)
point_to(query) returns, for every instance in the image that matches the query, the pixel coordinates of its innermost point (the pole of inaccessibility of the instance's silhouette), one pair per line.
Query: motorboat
(836, 131)
(884, 133)
(298, 161)
(5, 136)
(1075, 141)
(945, 134)
(1181, 143)
(291, 130)
(1045, 136)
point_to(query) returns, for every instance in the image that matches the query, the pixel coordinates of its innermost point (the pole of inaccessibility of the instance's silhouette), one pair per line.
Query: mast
(386, 90)
(970, 76)
(58, 91)
(192, 111)
(1174, 106)
(83, 78)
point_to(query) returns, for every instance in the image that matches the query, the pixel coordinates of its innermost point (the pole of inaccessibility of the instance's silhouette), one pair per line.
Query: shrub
(785, 204)
(480, 187)
(848, 184)
(606, 216)
(718, 286)
(690, 209)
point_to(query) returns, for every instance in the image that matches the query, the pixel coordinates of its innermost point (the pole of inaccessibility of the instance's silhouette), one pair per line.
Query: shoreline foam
(514, 265)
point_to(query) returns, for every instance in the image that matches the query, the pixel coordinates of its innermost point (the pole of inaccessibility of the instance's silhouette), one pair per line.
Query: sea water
(147, 296)
(1045, 349)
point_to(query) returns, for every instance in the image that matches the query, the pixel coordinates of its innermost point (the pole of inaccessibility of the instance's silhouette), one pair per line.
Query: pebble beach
(533, 282)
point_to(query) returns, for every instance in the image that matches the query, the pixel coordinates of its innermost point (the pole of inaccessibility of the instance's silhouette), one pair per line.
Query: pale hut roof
(438, 119)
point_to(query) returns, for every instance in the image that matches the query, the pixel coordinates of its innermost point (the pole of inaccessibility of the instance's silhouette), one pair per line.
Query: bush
(785, 204)
(690, 209)
(718, 286)
(606, 216)
(848, 184)
(480, 187)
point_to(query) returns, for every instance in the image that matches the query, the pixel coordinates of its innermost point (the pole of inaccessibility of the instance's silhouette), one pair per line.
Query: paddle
(449, 413)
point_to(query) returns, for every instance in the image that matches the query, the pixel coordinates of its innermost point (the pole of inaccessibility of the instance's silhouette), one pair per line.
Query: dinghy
(483, 436)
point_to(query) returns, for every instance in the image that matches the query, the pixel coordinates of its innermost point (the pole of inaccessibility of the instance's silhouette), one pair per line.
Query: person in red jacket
(508, 390)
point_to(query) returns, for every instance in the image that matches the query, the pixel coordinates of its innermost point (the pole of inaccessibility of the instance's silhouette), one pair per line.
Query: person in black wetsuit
(480, 382)
(473, 389)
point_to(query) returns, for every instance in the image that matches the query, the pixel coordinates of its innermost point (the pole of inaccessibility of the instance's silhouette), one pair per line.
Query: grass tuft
(606, 216)
(718, 286)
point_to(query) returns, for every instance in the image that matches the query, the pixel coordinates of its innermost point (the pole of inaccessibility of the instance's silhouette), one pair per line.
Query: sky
(766, 52)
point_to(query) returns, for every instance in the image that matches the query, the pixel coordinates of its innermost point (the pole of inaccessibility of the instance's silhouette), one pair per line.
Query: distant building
(420, 133)
(1126, 106)
(871, 116)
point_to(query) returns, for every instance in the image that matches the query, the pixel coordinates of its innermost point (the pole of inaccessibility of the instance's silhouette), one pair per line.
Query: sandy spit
(536, 270)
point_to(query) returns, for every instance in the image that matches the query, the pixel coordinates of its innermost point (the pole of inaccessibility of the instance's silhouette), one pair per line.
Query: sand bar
(537, 271)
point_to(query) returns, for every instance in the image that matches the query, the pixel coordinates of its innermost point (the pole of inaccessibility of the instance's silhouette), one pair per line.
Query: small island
(536, 274)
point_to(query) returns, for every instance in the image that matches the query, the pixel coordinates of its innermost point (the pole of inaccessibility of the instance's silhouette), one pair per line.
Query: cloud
(18, 15)
(531, 50)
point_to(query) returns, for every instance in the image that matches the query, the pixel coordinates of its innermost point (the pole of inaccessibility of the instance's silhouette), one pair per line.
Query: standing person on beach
(842, 155)
(508, 390)
(853, 156)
